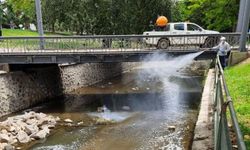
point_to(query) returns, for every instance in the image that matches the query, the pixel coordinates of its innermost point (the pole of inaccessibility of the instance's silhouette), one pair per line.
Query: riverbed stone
(11, 129)
(40, 116)
(9, 147)
(4, 131)
(31, 129)
(41, 134)
(23, 137)
(24, 127)
(31, 121)
(68, 121)
(127, 108)
(4, 138)
(171, 128)
(2, 145)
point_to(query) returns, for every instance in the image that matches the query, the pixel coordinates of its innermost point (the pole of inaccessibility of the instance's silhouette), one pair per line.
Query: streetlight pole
(39, 23)
(241, 15)
(1, 18)
(245, 25)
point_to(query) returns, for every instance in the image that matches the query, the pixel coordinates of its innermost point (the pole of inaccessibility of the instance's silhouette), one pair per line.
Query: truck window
(192, 27)
(179, 26)
(167, 28)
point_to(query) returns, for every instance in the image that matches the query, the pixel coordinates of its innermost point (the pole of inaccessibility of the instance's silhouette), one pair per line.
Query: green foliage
(179, 12)
(121, 16)
(218, 15)
(238, 80)
(103, 16)
(24, 10)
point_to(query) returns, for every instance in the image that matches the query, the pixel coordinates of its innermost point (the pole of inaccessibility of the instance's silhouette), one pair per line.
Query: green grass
(18, 32)
(238, 81)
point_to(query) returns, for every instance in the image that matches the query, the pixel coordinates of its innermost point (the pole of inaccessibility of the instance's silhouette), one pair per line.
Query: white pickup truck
(181, 28)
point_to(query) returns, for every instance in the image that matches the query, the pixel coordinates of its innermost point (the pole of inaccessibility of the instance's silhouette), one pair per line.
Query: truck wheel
(163, 44)
(210, 42)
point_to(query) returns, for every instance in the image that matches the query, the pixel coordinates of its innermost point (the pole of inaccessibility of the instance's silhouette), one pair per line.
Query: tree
(24, 10)
(222, 16)
(218, 15)
(93, 16)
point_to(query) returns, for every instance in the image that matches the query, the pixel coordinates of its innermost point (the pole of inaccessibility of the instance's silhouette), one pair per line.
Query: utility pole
(39, 23)
(1, 18)
(241, 15)
(245, 26)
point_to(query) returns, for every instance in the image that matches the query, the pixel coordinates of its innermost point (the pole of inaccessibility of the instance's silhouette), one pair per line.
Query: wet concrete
(146, 115)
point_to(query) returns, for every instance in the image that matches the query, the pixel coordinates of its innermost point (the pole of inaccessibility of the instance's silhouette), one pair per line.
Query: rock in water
(127, 108)
(4, 138)
(171, 128)
(31, 129)
(31, 121)
(40, 116)
(24, 128)
(80, 123)
(9, 147)
(57, 119)
(23, 137)
(68, 121)
(40, 135)
(2, 145)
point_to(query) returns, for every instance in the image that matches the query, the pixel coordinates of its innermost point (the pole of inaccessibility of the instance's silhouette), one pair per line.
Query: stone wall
(20, 90)
(4, 68)
(81, 75)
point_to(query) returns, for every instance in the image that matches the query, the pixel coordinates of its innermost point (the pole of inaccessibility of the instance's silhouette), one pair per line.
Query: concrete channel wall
(203, 133)
(237, 57)
(77, 76)
(22, 89)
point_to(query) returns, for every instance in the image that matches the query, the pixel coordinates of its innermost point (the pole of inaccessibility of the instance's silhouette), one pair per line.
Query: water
(144, 106)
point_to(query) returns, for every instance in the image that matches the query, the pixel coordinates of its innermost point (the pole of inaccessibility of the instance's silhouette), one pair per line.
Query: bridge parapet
(118, 43)
(105, 48)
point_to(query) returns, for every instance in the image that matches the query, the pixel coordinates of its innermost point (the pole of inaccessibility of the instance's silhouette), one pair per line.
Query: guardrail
(222, 102)
(114, 42)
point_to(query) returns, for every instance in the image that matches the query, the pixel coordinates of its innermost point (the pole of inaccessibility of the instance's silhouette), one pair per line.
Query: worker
(223, 48)
(151, 26)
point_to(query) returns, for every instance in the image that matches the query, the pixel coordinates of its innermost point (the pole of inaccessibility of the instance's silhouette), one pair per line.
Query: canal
(153, 106)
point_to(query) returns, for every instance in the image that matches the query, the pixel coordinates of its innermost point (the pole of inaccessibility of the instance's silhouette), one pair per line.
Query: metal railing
(222, 102)
(106, 43)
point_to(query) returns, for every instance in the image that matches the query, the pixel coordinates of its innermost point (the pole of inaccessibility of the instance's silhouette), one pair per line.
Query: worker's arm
(216, 47)
(228, 48)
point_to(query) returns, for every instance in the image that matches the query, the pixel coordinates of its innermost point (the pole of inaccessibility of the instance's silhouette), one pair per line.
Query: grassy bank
(18, 32)
(238, 80)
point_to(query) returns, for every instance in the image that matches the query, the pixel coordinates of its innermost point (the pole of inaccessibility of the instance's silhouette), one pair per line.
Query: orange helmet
(161, 21)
